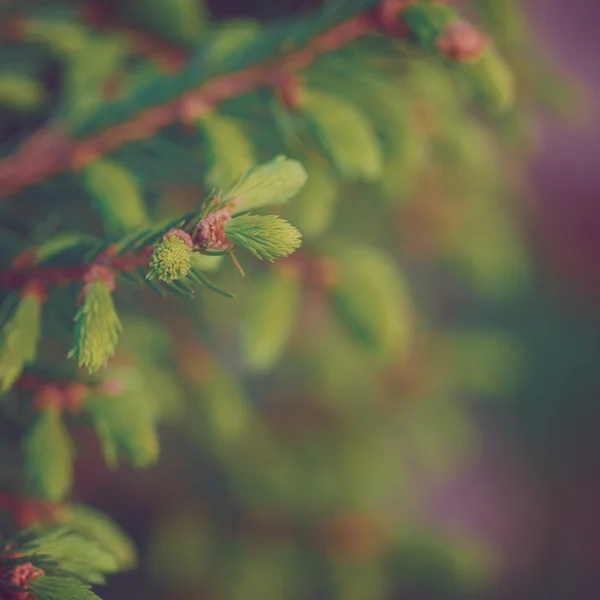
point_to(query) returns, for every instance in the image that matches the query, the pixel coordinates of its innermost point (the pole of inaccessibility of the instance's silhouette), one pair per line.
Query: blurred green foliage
(304, 420)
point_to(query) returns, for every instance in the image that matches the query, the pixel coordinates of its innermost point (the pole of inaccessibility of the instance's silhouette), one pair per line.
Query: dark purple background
(567, 174)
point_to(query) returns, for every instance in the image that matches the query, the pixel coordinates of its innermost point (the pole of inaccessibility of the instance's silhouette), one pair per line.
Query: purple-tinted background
(535, 489)
(552, 505)
(567, 173)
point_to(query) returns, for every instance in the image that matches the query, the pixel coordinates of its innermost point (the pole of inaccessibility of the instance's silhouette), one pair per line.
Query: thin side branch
(16, 278)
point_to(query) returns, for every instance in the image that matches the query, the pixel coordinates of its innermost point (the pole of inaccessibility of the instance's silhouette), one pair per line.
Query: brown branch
(17, 277)
(50, 150)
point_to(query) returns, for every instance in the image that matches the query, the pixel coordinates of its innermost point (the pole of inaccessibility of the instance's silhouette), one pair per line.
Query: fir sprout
(97, 328)
(274, 182)
(171, 258)
(265, 236)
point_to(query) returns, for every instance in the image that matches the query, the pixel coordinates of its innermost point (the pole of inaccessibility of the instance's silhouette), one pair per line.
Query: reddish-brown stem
(16, 278)
(50, 150)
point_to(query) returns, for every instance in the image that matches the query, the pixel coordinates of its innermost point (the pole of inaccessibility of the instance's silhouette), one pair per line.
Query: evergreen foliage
(390, 134)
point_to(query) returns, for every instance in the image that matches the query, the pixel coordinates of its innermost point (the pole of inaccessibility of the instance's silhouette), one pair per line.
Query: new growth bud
(171, 258)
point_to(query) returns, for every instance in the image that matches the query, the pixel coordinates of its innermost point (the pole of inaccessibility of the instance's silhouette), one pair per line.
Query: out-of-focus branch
(50, 150)
(17, 277)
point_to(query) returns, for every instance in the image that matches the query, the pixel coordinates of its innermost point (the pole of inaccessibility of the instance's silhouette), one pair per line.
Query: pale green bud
(97, 328)
(171, 259)
(265, 236)
(274, 182)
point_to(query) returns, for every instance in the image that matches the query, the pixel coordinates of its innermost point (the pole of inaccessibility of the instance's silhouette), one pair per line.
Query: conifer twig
(16, 277)
(50, 151)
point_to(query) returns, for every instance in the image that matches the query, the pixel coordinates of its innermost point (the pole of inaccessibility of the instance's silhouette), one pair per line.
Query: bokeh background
(518, 515)
(533, 489)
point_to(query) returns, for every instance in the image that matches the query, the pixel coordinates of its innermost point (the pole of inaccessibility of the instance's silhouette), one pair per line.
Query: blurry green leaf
(489, 80)
(19, 339)
(345, 134)
(102, 529)
(48, 455)
(467, 148)
(269, 319)
(64, 38)
(97, 328)
(87, 73)
(371, 298)
(391, 112)
(231, 38)
(20, 92)
(223, 410)
(431, 86)
(229, 151)
(427, 21)
(62, 242)
(314, 208)
(125, 424)
(116, 194)
(182, 21)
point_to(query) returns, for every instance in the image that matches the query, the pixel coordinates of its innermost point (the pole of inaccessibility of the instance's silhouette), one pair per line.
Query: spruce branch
(434, 27)
(16, 278)
(50, 150)
(167, 248)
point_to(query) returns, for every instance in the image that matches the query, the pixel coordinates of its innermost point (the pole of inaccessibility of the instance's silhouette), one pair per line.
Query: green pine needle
(48, 454)
(18, 340)
(125, 425)
(97, 328)
(274, 182)
(266, 236)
